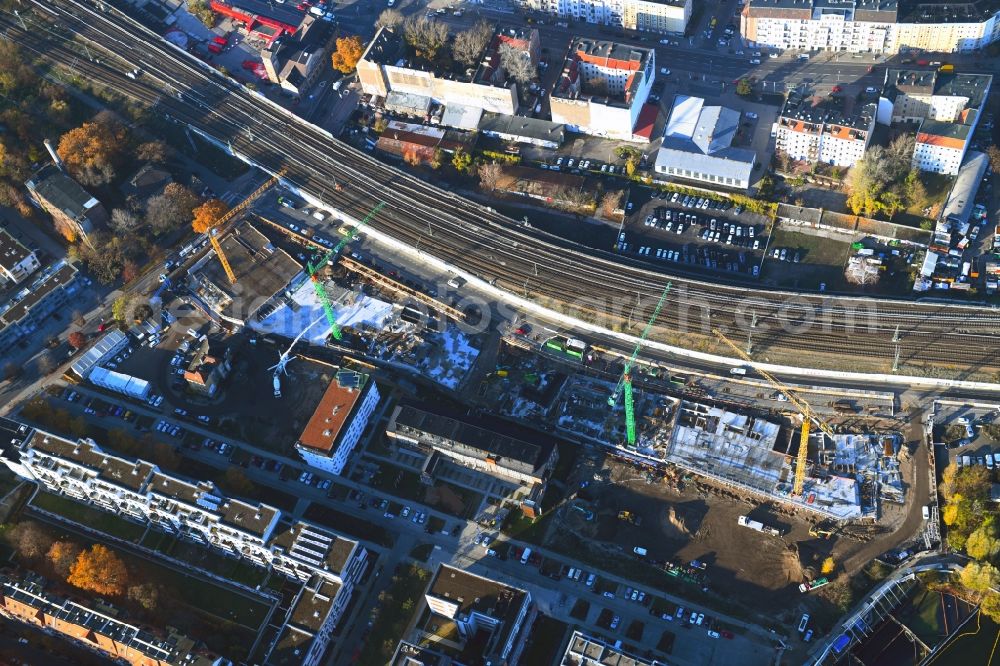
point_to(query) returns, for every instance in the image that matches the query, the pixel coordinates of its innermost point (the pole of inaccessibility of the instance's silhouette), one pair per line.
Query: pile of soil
(674, 525)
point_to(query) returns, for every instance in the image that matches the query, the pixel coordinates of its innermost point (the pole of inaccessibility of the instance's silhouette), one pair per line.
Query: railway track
(589, 283)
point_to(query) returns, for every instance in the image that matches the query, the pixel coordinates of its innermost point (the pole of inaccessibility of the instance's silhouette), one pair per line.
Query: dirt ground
(684, 520)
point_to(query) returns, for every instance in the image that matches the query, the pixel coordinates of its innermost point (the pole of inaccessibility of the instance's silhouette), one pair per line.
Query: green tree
(744, 88)
(979, 576)
(461, 160)
(121, 308)
(202, 11)
(983, 543)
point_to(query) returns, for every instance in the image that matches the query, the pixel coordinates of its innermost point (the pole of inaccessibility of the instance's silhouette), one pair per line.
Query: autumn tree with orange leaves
(99, 570)
(348, 53)
(62, 555)
(208, 214)
(93, 150)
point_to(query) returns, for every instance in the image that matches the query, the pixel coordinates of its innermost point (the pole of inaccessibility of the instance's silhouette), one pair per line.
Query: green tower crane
(324, 298)
(625, 382)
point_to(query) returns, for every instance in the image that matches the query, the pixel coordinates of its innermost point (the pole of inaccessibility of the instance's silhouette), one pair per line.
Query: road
(496, 249)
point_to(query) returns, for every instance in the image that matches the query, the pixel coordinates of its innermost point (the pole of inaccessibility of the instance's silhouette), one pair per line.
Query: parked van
(804, 622)
(641, 552)
(525, 555)
(926, 511)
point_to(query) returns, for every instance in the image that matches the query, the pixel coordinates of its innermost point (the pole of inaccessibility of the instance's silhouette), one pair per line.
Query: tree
(425, 36)
(202, 11)
(828, 566)
(983, 543)
(29, 539)
(490, 175)
(990, 606)
(152, 151)
(121, 307)
(76, 339)
(390, 19)
(412, 157)
(878, 181)
(208, 214)
(62, 555)
(611, 201)
(130, 271)
(348, 53)
(438, 159)
(380, 124)
(146, 595)
(171, 209)
(979, 576)
(517, 63)
(461, 160)
(99, 570)
(93, 150)
(123, 220)
(630, 167)
(468, 45)
(236, 482)
(744, 88)
(994, 154)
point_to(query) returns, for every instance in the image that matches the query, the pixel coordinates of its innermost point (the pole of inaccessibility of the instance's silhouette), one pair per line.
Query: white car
(664, 71)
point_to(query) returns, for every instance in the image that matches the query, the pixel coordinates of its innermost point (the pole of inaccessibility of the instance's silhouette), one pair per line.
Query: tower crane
(313, 269)
(213, 232)
(625, 382)
(808, 415)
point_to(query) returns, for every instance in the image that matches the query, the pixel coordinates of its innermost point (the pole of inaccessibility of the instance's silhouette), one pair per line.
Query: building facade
(328, 564)
(494, 616)
(26, 309)
(603, 87)
(25, 599)
(944, 107)
(697, 146)
(812, 130)
(472, 446)
(17, 262)
(336, 426)
(387, 65)
(661, 16)
(870, 26)
(75, 213)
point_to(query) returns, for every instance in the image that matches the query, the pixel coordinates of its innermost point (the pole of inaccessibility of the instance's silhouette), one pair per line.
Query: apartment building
(390, 65)
(584, 650)
(24, 598)
(24, 311)
(871, 26)
(943, 108)
(74, 211)
(831, 129)
(336, 425)
(293, 60)
(16, 261)
(458, 439)
(697, 146)
(603, 89)
(492, 619)
(661, 16)
(328, 565)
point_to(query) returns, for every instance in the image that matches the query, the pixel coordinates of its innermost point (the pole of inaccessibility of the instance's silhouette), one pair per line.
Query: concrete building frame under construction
(746, 452)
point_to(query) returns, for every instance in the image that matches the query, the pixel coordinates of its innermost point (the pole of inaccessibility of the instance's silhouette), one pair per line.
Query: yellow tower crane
(799, 403)
(213, 233)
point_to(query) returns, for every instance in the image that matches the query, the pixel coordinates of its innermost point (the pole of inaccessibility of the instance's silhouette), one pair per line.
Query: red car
(100, 329)
(221, 41)
(837, 89)
(214, 48)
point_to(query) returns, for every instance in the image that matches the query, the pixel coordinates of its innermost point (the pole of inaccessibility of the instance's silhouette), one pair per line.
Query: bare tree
(390, 18)
(490, 175)
(153, 151)
(123, 220)
(172, 209)
(468, 45)
(517, 63)
(611, 201)
(425, 36)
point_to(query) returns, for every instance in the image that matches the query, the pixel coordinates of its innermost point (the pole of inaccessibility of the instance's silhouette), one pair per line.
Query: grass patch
(93, 518)
(422, 552)
(399, 482)
(547, 635)
(580, 610)
(213, 599)
(435, 524)
(519, 526)
(399, 602)
(355, 527)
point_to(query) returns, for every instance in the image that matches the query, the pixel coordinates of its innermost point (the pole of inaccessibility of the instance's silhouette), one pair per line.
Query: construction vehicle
(813, 585)
(321, 295)
(629, 517)
(820, 532)
(286, 356)
(213, 232)
(808, 416)
(624, 386)
(758, 526)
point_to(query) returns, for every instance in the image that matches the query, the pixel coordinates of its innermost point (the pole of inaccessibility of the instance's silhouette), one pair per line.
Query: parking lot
(698, 231)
